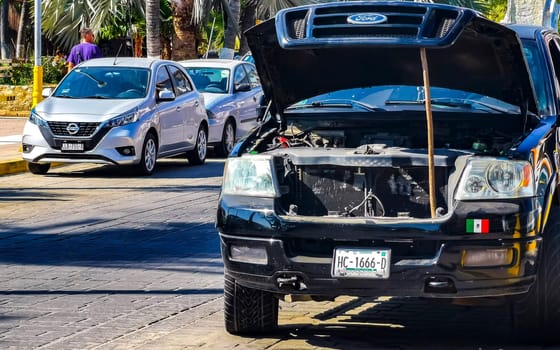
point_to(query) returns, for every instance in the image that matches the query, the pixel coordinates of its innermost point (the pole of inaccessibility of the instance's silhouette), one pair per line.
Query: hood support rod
(430, 125)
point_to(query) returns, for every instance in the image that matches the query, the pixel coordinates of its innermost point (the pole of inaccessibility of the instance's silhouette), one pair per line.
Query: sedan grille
(61, 129)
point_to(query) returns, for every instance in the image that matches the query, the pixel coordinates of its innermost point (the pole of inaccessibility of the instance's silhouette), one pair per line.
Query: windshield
(207, 79)
(104, 83)
(399, 97)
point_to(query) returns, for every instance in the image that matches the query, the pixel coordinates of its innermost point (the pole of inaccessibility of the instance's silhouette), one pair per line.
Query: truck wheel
(248, 310)
(38, 169)
(536, 315)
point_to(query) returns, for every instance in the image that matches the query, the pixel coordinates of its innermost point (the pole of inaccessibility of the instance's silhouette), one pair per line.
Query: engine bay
(378, 168)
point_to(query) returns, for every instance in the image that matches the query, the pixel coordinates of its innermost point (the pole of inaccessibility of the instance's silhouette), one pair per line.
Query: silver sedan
(121, 111)
(232, 92)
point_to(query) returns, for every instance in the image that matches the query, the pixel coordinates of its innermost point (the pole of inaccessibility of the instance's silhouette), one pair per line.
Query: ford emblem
(366, 18)
(72, 128)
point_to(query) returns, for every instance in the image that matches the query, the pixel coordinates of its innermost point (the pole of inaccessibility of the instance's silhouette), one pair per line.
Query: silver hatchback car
(121, 111)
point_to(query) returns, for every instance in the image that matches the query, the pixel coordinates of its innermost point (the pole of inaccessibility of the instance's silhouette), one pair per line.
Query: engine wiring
(367, 203)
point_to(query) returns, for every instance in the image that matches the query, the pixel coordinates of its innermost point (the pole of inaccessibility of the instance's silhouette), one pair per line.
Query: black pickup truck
(406, 149)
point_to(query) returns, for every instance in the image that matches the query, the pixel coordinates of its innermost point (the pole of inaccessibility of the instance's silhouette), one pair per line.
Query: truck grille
(415, 21)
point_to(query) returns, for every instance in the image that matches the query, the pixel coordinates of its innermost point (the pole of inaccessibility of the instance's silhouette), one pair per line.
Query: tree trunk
(4, 51)
(231, 31)
(19, 39)
(184, 38)
(153, 43)
(248, 18)
(536, 12)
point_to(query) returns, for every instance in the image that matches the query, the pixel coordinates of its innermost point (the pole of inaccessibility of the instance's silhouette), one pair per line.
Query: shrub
(54, 69)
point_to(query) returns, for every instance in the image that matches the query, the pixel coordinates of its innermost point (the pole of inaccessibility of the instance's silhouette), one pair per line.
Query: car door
(190, 102)
(247, 101)
(170, 114)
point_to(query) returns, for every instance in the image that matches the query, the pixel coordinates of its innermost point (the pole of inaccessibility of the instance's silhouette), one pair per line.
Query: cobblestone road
(94, 258)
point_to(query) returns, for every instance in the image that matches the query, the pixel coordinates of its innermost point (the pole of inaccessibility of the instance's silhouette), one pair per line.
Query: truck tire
(536, 315)
(248, 310)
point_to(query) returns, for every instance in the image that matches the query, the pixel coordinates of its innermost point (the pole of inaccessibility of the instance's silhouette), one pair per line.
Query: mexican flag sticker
(478, 225)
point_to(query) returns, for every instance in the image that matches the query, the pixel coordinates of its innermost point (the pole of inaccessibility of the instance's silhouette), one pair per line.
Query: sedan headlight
(250, 176)
(123, 119)
(496, 179)
(35, 119)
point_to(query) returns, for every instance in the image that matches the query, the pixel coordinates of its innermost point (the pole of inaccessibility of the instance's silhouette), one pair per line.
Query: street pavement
(10, 143)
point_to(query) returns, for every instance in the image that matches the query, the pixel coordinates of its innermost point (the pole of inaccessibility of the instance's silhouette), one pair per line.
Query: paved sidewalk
(10, 143)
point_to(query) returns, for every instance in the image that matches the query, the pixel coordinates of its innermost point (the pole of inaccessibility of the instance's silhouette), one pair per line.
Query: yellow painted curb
(6, 113)
(13, 166)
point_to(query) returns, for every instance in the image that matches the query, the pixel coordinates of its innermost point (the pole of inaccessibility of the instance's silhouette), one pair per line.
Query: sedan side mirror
(47, 92)
(243, 87)
(166, 95)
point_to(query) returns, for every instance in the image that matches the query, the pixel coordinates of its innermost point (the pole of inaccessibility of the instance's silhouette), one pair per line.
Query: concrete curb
(13, 166)
(6, 113)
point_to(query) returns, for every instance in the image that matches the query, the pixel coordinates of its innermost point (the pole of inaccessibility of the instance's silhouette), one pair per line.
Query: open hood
(309, 50)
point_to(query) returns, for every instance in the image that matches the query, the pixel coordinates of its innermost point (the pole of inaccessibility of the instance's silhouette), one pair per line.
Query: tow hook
(290, 283)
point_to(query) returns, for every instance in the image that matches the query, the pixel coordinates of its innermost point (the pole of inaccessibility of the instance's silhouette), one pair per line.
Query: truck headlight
(496, 179)
(250, 176)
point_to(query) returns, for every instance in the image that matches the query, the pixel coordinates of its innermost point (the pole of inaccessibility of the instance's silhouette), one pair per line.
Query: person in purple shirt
(85, 50)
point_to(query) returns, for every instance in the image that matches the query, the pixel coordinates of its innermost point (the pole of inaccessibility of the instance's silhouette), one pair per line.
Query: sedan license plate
(361, 263)
(72, 146)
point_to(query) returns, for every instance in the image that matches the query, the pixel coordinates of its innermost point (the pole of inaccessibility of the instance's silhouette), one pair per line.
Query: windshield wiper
(64, 96)
(100, 97)
(336, 104)
(449, 102)
(100, 83)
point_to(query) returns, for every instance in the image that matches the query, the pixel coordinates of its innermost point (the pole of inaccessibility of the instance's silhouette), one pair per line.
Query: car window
(182, 84)
(240, 76)
(163, 80)
(254, 79)
(210, 79)
(404, 97)
(104, 83)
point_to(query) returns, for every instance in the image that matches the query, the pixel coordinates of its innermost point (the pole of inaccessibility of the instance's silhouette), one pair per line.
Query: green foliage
(54, 69)
(22, 74)
(217, 43)
(496, 10)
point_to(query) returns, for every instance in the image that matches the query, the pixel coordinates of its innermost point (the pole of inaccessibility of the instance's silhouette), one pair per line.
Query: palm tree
(62, 19)
(185, 38)
(153, 43)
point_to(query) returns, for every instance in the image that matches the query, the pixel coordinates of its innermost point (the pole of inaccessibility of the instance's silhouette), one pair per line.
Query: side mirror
(47, 92)
(166, 95)
(243, 87)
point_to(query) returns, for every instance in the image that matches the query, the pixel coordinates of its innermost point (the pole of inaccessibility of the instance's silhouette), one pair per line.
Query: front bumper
(426, 261)
(105, 145)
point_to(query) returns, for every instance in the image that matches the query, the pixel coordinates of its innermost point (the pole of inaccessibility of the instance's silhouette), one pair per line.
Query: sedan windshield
(400, 97)
(209, 79)
(104, 83)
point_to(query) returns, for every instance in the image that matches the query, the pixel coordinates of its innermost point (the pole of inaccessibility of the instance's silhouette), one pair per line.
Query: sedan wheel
(228, 140)
(149, 156)
(197, 155)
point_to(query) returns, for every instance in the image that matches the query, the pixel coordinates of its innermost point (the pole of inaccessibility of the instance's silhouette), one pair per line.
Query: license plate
(361, 263)
(72, 147)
